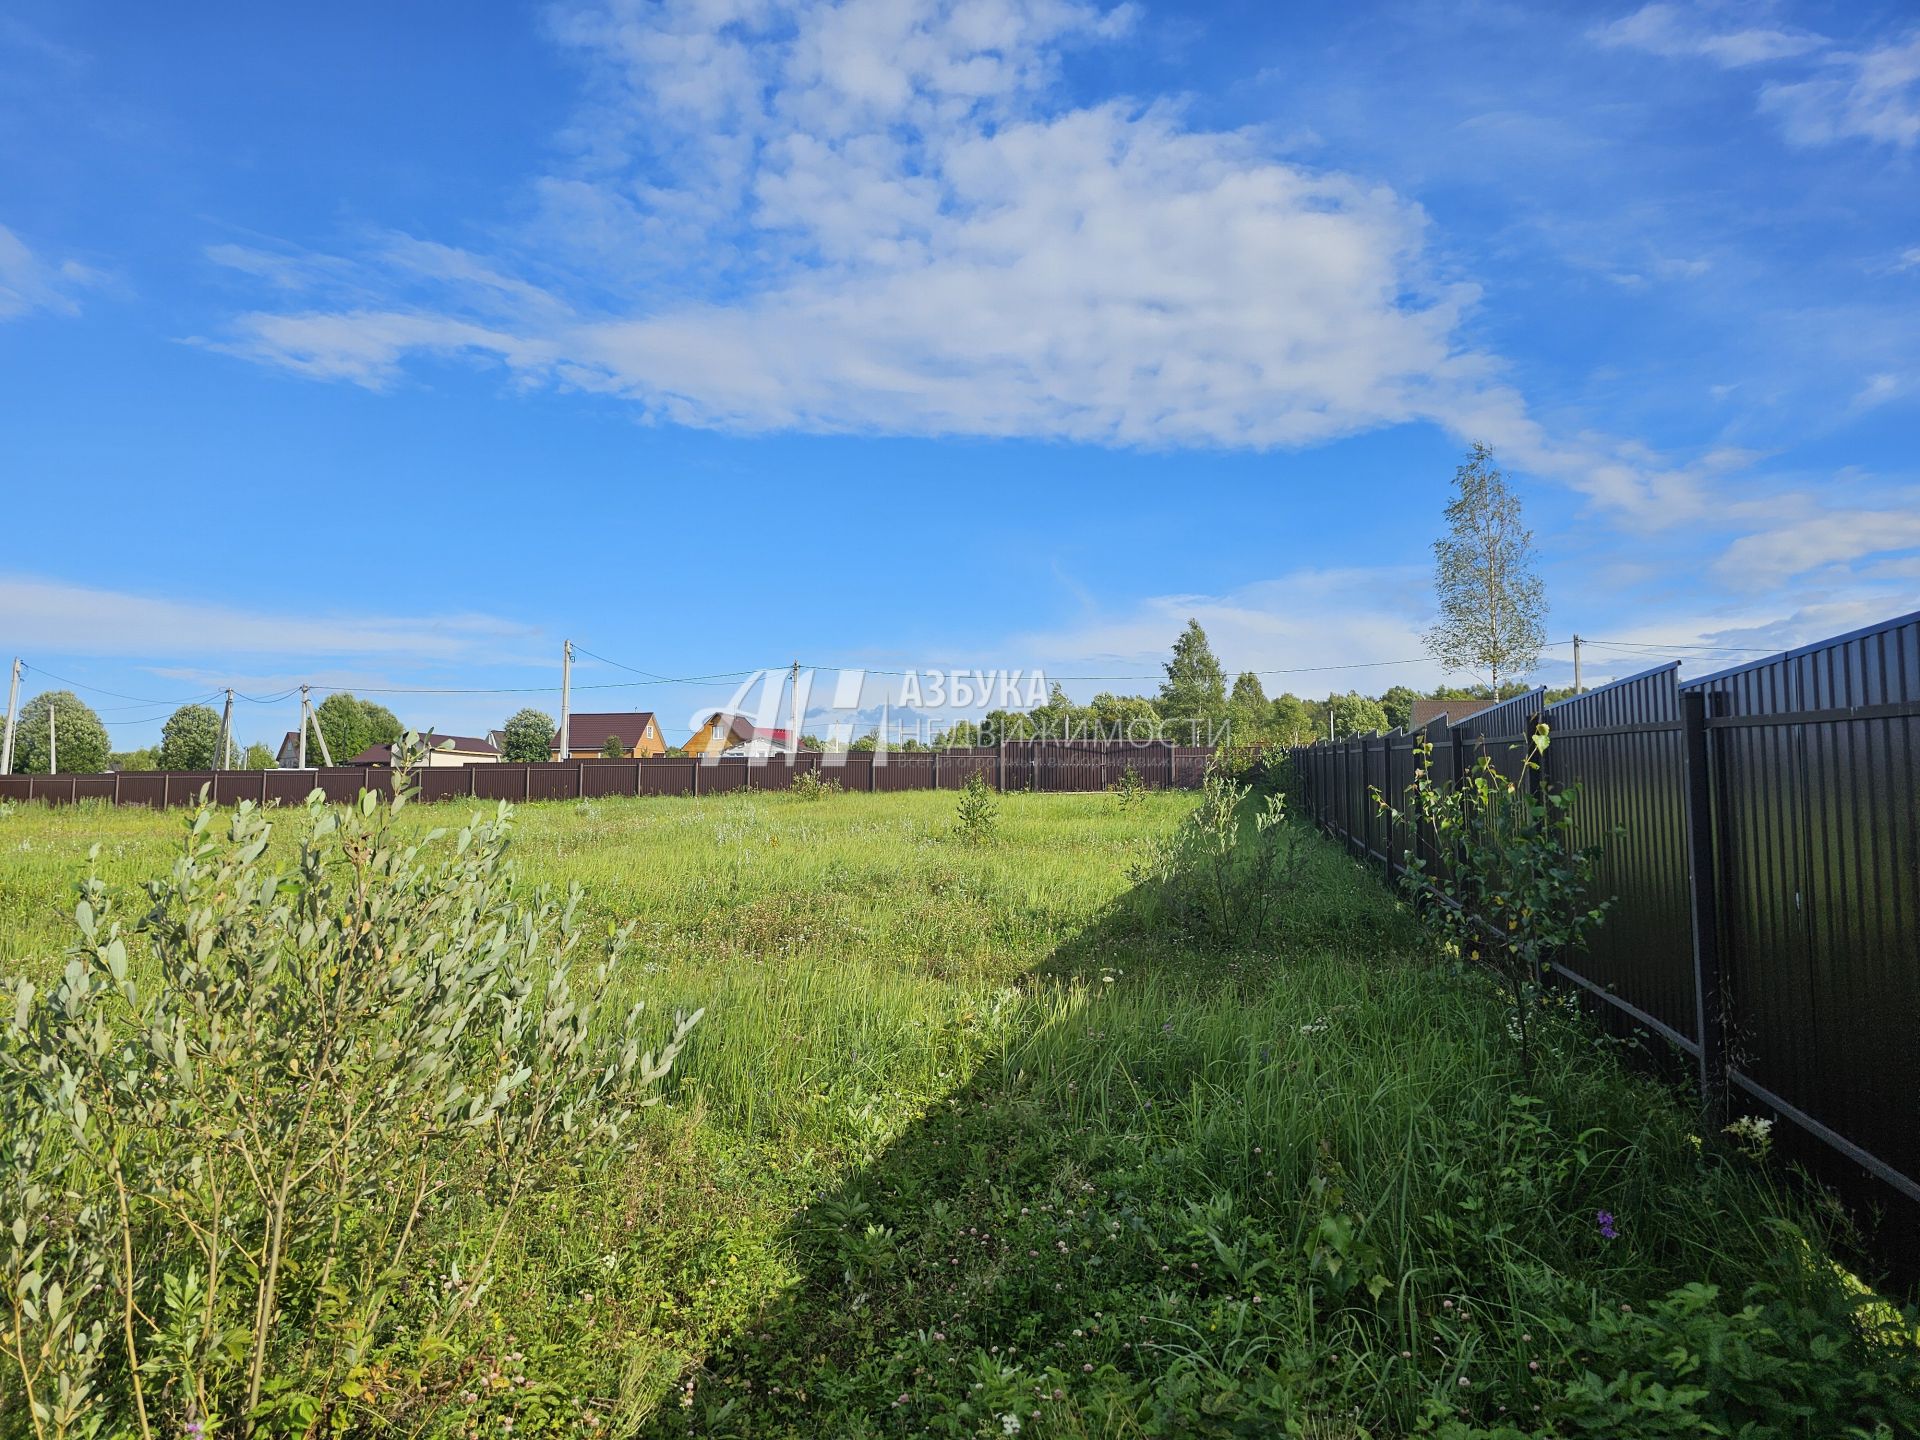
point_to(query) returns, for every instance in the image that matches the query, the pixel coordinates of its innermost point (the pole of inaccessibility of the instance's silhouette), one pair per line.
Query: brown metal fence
(1762, 848)
(1054, 766)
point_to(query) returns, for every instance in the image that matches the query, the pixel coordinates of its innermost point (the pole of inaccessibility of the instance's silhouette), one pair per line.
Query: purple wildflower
(1604, 1219)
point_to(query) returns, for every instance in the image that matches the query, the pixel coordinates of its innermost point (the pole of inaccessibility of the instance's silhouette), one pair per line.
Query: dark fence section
(1045, 765)
(1762, 848)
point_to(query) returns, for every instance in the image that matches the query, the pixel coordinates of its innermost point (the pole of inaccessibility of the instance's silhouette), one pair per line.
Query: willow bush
(224, 1170)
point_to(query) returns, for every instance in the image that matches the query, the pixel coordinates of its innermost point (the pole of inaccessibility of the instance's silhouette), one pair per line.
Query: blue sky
(387, 346)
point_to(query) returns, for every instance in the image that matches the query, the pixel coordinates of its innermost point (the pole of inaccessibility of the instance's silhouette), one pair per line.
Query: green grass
(972, 1132)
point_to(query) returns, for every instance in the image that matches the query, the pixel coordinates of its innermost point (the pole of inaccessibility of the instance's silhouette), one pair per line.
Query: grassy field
(979, 1140)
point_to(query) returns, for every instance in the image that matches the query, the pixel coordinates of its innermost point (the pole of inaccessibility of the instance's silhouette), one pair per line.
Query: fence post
(473, 782)
(1703, 901)
(1000, 766)
(526, 784)
(936, 769)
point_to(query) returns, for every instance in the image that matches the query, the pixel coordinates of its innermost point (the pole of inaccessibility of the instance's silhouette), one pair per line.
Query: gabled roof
(739, 730)
(1425, 712)
(589, 730)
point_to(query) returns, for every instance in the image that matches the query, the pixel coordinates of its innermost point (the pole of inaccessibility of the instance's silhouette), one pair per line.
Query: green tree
(612, 749)
(351, 725)
(258, 757)
(1248, 711)
(1398, 705)
(1294, 721)
(1194, 694)
(133, 761)
(1123, 717)
(527, 736)
(1355, 714)
(79, 736)
(191, 738)
(1492, 605)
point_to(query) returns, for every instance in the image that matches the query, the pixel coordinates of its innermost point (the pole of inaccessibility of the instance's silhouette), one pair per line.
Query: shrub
(978, 814)
(1131, 793)
(1505, 881)
(612, 749)
(812, 785)
(219, 1180)
(527, 736)
(1216, 878)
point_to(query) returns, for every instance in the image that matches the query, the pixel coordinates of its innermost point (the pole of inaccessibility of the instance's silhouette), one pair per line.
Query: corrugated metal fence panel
(667, 777)
(1820, 858)
(1623, 746)
(1046, 765)
(288, 787)
(1500, 732)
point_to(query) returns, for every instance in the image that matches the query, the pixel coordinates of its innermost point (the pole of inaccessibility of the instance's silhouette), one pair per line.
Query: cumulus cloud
(885, 216)
(874, 216)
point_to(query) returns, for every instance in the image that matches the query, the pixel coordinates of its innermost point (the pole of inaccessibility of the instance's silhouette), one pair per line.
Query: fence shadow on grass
(940, 1261)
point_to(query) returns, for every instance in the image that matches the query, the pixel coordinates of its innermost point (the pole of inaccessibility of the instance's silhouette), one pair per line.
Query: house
(724, 733)
(1425, 712)
(637, 732)
(287, 757)
(443, 751)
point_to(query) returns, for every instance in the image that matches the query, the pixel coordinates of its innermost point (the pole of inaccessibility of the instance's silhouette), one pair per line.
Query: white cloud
(1814, 540)
(1681, 31)
(868, 216)
(1872, 94)
(1335, 629)
(56, 617)
(880, 216)
(29, 283)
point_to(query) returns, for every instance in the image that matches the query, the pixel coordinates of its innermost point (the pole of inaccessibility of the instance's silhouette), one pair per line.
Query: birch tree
(1492, 605)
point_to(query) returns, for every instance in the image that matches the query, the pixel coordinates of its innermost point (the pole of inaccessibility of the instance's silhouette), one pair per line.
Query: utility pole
(793, 707)
(1576, 664)
(326, 753)
(53, 745)
(307, 717)
(13, 718)
(226, 734)
(566, 699)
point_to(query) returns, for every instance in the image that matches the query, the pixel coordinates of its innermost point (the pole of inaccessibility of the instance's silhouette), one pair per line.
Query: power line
(1641, 646)
(100, 690)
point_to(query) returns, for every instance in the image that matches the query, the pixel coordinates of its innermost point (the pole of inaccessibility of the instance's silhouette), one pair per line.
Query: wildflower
(1009, 1424)
(1604, 1219)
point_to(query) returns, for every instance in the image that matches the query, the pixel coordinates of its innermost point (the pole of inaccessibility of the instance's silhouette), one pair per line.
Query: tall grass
(977, 1139)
